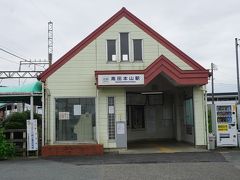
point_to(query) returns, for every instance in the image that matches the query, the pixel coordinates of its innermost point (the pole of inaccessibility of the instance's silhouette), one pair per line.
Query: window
(188, 115)
(137, 49)
(111, 50)
(124, 46)
(135, 110)
(123, 52)
(75, 119)
(111, 118)
(135, 114)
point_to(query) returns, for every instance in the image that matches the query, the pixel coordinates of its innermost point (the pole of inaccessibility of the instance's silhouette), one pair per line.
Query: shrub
(17, 120)
(7, 149)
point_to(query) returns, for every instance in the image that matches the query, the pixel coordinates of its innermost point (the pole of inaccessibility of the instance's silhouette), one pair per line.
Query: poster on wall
(120, 128)
(32, 135)
(77, 111)
(63, 115)
(111, 109)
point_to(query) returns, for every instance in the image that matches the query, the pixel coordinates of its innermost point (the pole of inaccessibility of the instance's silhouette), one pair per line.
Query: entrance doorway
(150, 117)
(160, 118)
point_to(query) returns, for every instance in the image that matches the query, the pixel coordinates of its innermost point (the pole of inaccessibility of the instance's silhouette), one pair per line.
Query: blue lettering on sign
(119, 78)
(131, 78)
(105, 79)
(125, 78)
(113, 78)
(137, 78)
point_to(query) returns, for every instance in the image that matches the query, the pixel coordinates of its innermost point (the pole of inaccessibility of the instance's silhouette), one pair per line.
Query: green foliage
(7, 149)
(17, 120)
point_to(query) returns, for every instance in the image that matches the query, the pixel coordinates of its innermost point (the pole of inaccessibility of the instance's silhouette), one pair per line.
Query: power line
(14, 51)
(35, 63)
(13, 54)
(8, 60)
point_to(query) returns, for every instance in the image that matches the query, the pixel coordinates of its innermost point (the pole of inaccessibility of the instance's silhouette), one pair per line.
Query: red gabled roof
(164, 65)
(122, 13)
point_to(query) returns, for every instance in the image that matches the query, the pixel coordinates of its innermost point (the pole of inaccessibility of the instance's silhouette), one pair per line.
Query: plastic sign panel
(222, 127)
(32, 135)
(120, 79)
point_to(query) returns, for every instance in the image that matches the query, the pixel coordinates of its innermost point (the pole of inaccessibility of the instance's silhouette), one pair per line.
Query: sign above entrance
(120, 79)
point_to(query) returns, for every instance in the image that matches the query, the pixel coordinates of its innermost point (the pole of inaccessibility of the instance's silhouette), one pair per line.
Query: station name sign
(120, 79)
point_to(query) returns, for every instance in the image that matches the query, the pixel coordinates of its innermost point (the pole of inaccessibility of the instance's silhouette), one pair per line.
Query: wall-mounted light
(152, 92)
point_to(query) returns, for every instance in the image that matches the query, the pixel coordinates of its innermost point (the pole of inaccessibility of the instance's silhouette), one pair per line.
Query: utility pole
(50, 42)
(212, 68)
(238, 88)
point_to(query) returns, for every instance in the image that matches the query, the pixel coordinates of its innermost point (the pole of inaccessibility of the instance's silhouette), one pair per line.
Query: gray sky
(205, 30)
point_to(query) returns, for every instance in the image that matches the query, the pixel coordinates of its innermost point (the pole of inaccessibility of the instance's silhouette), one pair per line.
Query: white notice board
(32, 135)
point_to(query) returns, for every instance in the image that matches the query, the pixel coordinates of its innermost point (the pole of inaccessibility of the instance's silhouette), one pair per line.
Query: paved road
(205, 166)
(142, 158)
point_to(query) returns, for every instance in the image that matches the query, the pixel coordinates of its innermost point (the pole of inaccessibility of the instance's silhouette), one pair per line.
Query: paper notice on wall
(77, 111)
(111, 109)
(114, 57)
(120, 128)
(63, 115)
(125, 57)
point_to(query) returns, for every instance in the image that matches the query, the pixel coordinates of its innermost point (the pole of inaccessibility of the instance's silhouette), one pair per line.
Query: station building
(123, 83)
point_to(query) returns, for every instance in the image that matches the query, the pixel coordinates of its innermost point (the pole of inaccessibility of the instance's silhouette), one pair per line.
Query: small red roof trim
(164, 65)
(122, 13)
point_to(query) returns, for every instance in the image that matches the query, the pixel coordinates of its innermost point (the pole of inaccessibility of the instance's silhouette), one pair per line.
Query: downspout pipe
(43, 114)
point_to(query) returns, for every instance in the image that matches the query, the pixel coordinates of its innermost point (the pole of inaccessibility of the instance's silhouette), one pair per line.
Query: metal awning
(22, 93)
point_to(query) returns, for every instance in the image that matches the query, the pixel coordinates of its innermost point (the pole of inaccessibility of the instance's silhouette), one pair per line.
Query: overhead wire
(8, 60)
(14, 54)
(17, 56)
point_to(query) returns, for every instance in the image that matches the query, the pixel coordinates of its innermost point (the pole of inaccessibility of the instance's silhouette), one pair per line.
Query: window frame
(114, 118)
(131, 120)
(116, 51)
(120, 49)
(188, 110)
(133, 52)
(54, 127)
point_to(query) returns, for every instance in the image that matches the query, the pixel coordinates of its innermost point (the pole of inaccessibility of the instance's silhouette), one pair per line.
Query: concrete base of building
(72, 150)
(201, 146)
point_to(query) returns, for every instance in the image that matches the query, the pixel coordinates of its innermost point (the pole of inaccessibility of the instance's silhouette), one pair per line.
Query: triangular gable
(122, 13)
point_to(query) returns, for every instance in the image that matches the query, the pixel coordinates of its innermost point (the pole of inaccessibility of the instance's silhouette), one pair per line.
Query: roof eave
(122, 13)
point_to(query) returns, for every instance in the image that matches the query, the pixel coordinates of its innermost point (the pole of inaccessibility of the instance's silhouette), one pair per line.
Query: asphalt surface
(110, 158)
(197, 166)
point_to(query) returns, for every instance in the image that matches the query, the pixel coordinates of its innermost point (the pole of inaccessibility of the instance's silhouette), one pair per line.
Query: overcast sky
(203, 29)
